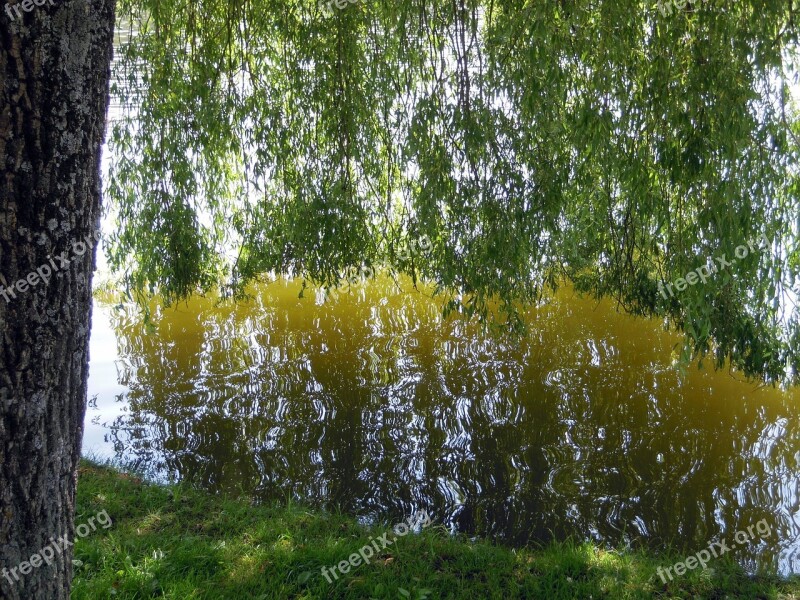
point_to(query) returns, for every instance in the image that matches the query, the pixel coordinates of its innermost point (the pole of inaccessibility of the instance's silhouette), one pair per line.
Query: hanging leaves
(605, 143)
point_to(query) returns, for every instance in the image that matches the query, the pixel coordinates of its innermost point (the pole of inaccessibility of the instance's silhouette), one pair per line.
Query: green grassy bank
(171, 542)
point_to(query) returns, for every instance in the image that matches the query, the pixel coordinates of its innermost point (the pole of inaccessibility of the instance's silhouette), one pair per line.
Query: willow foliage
(611, 144)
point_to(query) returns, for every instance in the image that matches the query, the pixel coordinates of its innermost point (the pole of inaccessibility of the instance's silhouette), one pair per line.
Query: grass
(179, 543)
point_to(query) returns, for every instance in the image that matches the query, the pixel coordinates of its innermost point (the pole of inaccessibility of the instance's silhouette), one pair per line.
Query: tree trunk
(54, 76)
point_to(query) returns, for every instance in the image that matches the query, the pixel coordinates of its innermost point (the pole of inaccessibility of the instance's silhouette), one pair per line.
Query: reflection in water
(376, 404)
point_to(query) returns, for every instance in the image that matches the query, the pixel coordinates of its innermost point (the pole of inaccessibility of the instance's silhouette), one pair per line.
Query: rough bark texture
(54, 77)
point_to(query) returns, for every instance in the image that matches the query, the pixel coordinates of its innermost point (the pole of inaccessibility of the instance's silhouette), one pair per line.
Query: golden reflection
(374, 403)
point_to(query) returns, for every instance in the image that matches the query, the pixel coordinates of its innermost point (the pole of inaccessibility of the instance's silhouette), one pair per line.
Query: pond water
(373, 403)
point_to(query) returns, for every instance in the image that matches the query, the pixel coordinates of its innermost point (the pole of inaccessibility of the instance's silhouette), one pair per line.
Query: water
(375, 404)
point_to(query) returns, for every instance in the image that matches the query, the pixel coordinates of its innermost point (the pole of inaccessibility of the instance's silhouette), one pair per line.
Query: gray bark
(54, 77)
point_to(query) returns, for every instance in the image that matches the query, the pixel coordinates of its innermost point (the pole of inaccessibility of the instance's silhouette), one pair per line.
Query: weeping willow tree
(615, 145)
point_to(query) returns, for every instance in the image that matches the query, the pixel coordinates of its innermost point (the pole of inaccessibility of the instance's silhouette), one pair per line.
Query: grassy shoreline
(179, 543)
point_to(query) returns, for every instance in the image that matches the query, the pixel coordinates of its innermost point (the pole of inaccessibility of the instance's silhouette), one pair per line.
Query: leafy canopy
(532, 141)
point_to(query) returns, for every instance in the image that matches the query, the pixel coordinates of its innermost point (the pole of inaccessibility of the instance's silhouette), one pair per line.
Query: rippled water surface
(373, 403)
